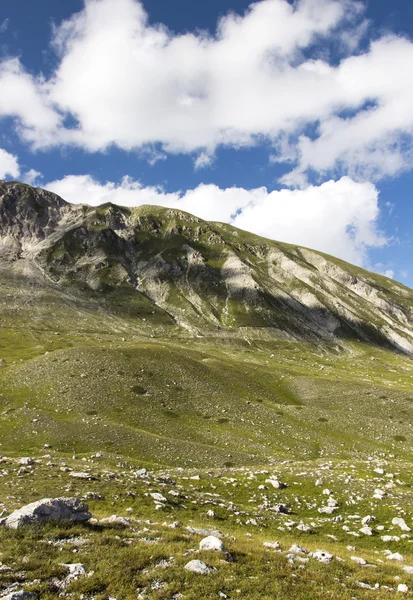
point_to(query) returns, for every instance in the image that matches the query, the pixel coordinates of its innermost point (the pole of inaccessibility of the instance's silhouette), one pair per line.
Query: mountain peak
(206, 278)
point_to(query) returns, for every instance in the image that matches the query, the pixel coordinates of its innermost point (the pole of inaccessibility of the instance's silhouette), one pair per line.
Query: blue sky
(292, 120)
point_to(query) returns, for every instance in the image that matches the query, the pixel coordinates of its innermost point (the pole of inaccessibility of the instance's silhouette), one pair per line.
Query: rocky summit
(191, 411)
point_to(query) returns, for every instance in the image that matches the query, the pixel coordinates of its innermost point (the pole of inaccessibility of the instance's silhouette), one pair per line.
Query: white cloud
(9, 164)
(337, 217)
(203, 160)
(4, 25)
(32, 177)
(123, 81)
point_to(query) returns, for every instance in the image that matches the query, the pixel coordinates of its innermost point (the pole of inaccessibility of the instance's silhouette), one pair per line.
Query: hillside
(222, 363)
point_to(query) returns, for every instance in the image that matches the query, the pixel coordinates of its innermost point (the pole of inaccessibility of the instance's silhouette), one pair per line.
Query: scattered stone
(395, 556)
(298, 549)
(322, 556)
(402, 588)
(400, 523)
(26, 461)
(141, 473)
(80, 475)
(358, 560)
(76, 571)
(278, 485)
(115, 520)
(204, 532)
(274, 545)
(368, 519)
(158, 497)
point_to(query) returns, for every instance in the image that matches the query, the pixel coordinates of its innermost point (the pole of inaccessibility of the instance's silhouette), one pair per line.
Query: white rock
(366, 530)
(368, 519)
(278, 485)
(115, 520)
(158, 497)
(322, 556)
(298, 549)
(304, 527)
(212, 543)
(358, 560)
(402, 588)
(272, 544)
(395, 556)
(327, 492)
(408, 570)
(80, 475)
(401, 523)
(48, 509)
(198, 566)
(328, 510)
(76, 571)
(26, 461)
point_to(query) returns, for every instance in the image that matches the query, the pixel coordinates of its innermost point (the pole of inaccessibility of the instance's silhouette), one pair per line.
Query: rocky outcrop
(48, 509)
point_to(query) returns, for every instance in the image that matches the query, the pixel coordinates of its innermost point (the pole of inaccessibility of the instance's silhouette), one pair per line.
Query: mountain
(186, 378)
(164, 270)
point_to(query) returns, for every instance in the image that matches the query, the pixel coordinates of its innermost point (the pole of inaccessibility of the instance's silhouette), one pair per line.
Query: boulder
(48, 509)
(212, 543)
(198, 566)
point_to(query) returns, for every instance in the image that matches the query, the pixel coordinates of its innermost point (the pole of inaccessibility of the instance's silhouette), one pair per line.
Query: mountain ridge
(209, 278)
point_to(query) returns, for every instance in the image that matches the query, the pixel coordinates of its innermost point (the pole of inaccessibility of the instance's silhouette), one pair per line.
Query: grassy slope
(222, 408)
(87, 373)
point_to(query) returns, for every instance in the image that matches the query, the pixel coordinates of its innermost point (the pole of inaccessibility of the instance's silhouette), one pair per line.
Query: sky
(292, 120)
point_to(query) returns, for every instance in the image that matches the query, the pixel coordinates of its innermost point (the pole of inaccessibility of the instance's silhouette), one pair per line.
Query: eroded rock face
(48, 509)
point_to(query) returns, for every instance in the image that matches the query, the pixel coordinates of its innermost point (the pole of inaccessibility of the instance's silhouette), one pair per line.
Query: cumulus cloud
(9, 164)
(337, 217)
(32, 177)
(122, 81)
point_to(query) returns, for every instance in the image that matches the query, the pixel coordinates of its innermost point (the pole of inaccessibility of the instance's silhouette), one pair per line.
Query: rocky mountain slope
(188, 379)
(164, 268)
